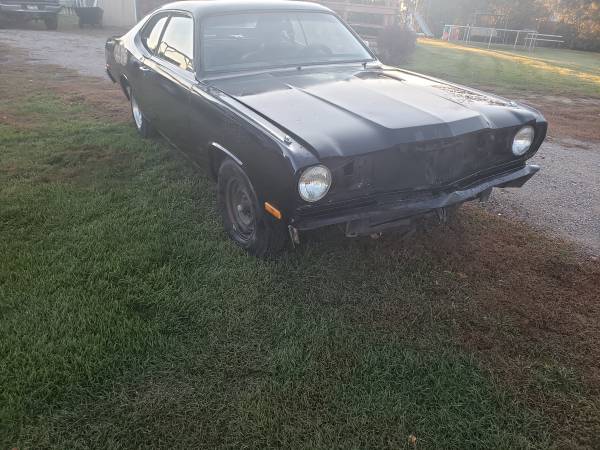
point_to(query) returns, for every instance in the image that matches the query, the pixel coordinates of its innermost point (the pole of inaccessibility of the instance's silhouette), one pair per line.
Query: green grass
(573, 59)
(127, 319)
(546, 71)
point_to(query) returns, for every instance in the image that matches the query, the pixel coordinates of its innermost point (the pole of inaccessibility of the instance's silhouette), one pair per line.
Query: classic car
(21, 11)
(302, 127)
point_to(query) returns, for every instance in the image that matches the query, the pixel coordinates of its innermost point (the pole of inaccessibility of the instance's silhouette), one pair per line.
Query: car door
(141, 77)
(171, 77)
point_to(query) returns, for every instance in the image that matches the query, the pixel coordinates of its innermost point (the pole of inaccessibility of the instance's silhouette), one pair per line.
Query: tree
(577, 20)
(396, 43)
(582, 18)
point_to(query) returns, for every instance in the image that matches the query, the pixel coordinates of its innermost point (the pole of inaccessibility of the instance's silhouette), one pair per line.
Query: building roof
(210, 7)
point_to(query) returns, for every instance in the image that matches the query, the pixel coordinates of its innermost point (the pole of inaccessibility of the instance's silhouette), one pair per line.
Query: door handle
(141, 67)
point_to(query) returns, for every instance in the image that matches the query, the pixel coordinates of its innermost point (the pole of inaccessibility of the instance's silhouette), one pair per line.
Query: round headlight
(522, 140)
(314, 183)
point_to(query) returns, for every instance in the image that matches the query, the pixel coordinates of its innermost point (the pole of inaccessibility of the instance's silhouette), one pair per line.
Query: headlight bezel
(306, 173)
(522, 149)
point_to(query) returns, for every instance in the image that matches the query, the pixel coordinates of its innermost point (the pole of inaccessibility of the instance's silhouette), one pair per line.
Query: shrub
(396, 43)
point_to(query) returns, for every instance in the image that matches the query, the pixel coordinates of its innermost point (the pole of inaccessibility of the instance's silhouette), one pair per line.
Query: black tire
(144, 128)
(51, 23)
(244, 220)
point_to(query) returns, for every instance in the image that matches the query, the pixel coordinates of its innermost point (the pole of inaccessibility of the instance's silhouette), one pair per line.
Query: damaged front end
(391, 188)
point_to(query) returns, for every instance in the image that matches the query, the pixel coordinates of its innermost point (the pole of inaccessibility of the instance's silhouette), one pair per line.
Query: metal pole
(516, 39)
(491, 34)
(530, 44)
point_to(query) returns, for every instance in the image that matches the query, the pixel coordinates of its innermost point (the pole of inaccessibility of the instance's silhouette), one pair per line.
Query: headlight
(314, 183)
(522, 140)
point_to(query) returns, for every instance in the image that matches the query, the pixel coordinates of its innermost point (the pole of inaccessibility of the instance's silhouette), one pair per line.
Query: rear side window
(151, 32)
(177, 43)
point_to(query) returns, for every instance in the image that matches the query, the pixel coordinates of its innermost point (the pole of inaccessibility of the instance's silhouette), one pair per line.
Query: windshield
(275, 39)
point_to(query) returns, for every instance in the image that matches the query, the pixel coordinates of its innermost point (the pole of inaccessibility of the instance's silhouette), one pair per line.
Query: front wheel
(142, 125)
(244, 220)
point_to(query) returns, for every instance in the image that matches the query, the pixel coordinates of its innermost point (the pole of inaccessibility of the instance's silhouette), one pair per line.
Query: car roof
(210, 7)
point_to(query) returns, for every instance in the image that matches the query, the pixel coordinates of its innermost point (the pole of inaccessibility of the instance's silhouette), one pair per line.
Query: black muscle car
(303, 127)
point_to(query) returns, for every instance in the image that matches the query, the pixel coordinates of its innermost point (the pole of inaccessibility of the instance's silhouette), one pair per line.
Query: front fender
(269, 156)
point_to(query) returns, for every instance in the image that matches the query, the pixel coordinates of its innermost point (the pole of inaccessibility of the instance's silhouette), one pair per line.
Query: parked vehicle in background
(88, 12)
(22, 11)
(303, 127)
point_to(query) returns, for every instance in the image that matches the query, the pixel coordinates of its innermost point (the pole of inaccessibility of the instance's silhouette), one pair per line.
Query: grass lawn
(546, 71)
(127, 319)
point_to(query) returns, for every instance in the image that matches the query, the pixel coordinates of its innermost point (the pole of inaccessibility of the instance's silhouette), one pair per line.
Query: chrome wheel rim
(137, 113)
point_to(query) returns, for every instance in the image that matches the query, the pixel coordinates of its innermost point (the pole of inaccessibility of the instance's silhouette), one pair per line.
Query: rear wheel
(244, 220)
(142, 125)
(51, 22)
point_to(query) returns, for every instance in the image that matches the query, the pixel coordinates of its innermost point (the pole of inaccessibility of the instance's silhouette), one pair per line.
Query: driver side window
(151, 33)
(177, 43)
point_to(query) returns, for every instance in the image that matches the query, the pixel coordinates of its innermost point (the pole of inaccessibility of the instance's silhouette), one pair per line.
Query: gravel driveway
(563, 198)
(83, 52)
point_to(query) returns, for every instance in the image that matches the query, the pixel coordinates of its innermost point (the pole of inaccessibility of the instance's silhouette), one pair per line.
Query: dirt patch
(107, 102)
(569, 118)
(104, 99)
(525, 304)
(539, 288)
(575, 118)
(534, 318)
(14, 121)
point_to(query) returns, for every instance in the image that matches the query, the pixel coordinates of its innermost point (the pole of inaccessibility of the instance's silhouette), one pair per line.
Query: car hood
(348, 111)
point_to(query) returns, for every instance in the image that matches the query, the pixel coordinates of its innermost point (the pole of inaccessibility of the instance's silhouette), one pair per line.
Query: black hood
(348, 111)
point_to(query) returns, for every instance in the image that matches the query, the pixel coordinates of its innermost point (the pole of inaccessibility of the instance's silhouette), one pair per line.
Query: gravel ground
(563, 198)
(82, 51)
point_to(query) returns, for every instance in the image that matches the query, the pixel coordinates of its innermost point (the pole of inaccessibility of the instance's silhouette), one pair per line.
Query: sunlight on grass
(527, 60)
(504, 69)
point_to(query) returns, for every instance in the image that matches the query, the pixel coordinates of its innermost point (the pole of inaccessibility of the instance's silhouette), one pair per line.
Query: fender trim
(227, 152)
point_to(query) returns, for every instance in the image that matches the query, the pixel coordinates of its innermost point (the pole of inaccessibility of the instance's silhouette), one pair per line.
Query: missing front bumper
(398, 213)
